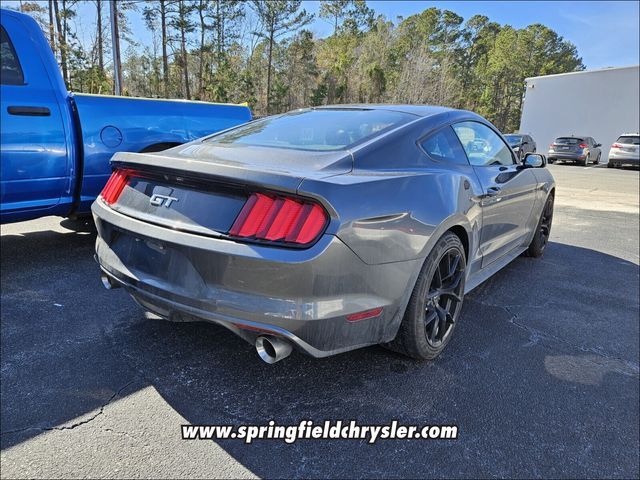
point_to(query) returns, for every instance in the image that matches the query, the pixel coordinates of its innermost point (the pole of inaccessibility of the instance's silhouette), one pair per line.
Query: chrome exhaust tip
(272, 349)
(107, 282)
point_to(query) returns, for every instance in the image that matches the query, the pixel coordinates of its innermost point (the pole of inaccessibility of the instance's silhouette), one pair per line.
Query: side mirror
(525, 143)
(598, 145)
(534, 160)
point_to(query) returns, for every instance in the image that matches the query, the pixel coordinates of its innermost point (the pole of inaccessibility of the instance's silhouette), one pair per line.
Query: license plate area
(208, 211)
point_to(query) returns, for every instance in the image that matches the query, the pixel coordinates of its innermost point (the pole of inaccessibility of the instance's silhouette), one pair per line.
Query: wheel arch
(462, 234)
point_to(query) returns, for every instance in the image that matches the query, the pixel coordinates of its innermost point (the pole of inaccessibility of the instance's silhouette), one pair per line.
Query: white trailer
(597, 103)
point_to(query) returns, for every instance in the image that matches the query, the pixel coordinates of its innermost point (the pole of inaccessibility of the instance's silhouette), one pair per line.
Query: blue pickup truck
(55, 146)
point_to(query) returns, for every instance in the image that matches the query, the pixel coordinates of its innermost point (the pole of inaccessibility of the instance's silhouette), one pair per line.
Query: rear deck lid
(201, 188)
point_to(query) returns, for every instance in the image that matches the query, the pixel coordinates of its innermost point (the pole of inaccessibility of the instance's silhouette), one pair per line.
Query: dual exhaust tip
(270, 349)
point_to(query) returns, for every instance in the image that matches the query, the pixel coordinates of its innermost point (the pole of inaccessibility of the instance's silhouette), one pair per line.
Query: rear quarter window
(444, 146)
(10, 69)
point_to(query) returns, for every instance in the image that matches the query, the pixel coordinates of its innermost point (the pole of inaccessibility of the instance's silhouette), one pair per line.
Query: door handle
(492, 191)
(29, 111)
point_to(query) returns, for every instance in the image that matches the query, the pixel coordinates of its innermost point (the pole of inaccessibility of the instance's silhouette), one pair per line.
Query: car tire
(597, 162)
(610, 165)
(585, 162)
(551, 161)
(435, 303)
(543, 230)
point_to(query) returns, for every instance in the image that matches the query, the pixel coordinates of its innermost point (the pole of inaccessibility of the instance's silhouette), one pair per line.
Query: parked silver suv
(625, 151)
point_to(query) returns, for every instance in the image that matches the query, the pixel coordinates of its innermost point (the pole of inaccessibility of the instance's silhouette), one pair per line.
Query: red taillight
(552, 145)
(583, 145)
(279, 219)
(616, 145)
(114, 186)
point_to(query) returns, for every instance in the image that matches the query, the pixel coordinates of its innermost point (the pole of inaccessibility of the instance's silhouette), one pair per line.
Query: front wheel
(435, 303)
(543, 230)
(597, 162)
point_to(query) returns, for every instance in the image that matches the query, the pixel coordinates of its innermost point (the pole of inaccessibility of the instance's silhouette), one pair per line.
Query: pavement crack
(631, 368)
(77, 424)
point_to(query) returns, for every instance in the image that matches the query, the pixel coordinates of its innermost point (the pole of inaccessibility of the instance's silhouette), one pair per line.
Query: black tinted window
(629, 140)
(318, 130)
(445, 146)
(10, 70)
(514, 139)
(568, 141)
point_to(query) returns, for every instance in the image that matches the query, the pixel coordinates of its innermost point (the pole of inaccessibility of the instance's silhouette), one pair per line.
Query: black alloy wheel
(541, 237)
(444, 297)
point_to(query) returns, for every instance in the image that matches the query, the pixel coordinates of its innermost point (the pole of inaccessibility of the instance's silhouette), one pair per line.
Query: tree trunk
(62, 44)
(100, 42)
(52, 28)
(185, 68)
(268, 106)
(165, 60)
(201, 66)
(116, 48)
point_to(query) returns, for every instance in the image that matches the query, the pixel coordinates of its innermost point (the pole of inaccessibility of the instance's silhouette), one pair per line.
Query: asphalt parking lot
(541, 376)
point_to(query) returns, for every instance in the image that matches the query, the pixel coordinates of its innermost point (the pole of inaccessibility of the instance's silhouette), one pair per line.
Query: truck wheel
(435, 303)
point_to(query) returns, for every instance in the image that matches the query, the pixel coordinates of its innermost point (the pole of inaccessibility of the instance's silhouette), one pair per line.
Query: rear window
(629, 140)
(316, 130)
(569, 140)
(10, 70)
(513, 139)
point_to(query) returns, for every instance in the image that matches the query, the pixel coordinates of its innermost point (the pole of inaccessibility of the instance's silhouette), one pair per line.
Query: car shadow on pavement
(540, 377)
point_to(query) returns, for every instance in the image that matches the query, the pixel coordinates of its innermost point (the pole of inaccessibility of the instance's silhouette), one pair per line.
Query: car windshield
(629, 140)
(513, 139)
(316, 130)
(568, 140)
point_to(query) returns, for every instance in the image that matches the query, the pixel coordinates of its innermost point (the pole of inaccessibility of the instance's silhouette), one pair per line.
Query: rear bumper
(565, 156)
(624, 159)
(303, 296)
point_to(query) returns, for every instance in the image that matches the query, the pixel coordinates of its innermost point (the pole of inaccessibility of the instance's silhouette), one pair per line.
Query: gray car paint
(389, 203)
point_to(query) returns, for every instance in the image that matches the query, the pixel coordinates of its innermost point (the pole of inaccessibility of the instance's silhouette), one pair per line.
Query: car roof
(418, 110)
(573, 136)
(632, 134)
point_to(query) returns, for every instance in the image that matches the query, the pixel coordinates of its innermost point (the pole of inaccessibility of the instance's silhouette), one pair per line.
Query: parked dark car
(575, 148)
(521, 144)
(325, 229)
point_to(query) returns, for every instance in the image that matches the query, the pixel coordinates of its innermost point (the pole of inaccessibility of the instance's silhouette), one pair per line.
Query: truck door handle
(29, 111)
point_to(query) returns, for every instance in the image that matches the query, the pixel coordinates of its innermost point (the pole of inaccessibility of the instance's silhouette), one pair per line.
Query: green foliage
(258, 52)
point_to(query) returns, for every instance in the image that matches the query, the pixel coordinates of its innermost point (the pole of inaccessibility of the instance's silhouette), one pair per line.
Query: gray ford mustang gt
(324, 229)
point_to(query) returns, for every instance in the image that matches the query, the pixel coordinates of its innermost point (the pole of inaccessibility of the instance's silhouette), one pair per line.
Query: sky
(606, 33)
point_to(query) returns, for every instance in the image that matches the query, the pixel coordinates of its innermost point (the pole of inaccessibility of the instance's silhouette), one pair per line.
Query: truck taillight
(583, 145)
(279, 219)
(114, 186)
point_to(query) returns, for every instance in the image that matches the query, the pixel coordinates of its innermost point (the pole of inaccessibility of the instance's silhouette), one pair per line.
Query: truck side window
(10, 70)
